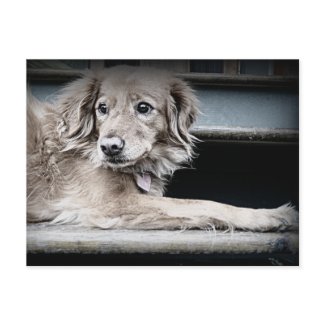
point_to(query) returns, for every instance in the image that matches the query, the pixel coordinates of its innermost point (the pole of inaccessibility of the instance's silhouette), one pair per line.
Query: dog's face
(131, 116)
(135, 115)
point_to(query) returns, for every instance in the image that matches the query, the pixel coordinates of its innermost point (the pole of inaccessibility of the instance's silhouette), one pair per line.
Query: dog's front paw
(286, 217)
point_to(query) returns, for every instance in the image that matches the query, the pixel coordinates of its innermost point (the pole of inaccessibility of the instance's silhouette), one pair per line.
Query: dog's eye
(102, 108)
(144, 108)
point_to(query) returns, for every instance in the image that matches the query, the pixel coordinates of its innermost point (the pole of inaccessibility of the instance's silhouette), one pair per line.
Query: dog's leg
(147, 212)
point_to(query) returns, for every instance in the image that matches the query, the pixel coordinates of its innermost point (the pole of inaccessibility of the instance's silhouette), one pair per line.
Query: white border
(152, 295)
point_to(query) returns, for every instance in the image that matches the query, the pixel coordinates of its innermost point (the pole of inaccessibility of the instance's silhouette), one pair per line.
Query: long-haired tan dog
(102, 152)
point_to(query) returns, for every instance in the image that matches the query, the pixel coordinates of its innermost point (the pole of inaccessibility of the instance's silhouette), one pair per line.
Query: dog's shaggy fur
(71, 179)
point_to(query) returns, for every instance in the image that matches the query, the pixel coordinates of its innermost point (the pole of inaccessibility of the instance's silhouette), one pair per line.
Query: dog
(101, 154)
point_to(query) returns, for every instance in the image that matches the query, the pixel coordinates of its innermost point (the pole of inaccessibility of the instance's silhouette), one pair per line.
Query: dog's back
(33, 123)
(41, 166)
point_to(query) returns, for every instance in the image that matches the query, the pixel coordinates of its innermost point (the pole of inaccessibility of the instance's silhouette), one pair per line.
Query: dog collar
(143, 181)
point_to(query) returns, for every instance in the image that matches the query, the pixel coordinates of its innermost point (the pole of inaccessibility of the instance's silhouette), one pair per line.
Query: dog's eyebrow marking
(144, 97)
(134, 96)
(141, 93)
(110, 100)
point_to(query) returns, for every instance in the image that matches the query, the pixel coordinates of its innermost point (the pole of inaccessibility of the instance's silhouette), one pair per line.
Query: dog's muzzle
(112, 146)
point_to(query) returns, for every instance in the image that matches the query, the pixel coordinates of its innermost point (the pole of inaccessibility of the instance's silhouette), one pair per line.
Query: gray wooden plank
(180, 66)
(267, 135)
(42, 238)
(248, 107)
(214, 79)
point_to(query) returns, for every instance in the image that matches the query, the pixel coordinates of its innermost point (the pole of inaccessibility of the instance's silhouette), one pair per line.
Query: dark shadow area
(247, 175)
(161, 260)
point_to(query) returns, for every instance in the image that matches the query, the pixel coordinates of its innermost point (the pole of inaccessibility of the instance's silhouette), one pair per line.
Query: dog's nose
(112, 146)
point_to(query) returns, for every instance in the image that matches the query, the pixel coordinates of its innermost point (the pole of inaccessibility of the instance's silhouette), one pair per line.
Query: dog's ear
(182, 111)
(76, 103)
